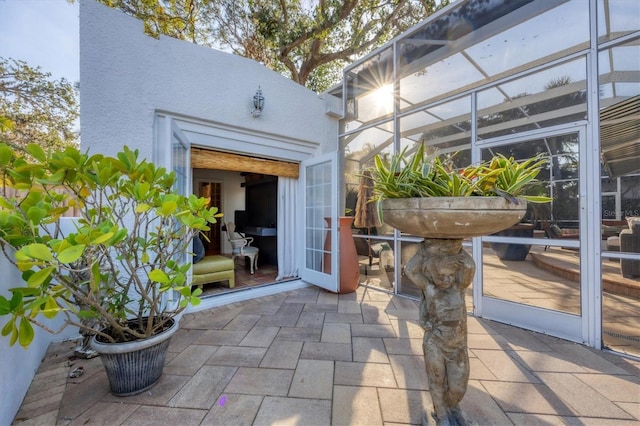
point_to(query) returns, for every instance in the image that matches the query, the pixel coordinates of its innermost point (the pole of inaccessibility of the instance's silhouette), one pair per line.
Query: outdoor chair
(630, 242)
(241, 246)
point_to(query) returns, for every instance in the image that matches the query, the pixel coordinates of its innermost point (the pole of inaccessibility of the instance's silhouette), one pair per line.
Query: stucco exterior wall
(126, 76)
(18, 366)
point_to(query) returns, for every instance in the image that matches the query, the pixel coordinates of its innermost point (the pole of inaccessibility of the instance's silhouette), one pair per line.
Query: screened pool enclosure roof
(511, 54)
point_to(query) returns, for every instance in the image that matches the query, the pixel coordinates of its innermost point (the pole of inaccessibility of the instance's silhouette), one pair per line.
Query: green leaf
(26, 333)
(38, 251)
(142, 189)
(159, 276)
(36, 279)
(36, 152)
(71, 254)
(536, 198)
(8, 327)
(102, 238)
(5, 155)
(168, 207)
(141, 208)
(85, 314)
(36, 214)
(14, 336)
(5, 305)
(51, 308)
(55, 178)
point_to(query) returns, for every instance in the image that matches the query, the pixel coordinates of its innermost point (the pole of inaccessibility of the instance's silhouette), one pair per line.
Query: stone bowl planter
(452, 217)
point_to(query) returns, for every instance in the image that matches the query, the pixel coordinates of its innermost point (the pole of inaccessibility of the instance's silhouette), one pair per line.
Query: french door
(319, 236)
(530, 291)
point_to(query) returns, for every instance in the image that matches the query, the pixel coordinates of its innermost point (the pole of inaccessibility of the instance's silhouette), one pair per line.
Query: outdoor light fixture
(258, 103)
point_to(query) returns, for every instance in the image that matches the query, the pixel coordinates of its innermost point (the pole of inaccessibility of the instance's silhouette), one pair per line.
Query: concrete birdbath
(443, 271)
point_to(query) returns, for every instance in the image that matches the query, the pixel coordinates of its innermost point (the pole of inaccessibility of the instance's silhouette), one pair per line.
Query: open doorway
(245, 189)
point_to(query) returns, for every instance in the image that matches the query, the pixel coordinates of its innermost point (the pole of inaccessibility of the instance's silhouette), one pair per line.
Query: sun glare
(384, 95)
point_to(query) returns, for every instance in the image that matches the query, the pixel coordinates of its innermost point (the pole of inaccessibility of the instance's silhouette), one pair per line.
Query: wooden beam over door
(218, 160)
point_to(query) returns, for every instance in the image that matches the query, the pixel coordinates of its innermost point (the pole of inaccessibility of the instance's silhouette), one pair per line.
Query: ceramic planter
(509, 251)
(349, 267)
(133, 367)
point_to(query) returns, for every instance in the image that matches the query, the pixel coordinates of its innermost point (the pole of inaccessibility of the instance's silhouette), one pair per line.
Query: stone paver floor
(310, 357)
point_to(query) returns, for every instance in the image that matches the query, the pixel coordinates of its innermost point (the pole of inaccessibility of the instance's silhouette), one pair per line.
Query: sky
(43, 33)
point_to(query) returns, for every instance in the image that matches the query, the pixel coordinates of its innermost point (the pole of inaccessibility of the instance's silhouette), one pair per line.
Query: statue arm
(414, 272)
(466, 270)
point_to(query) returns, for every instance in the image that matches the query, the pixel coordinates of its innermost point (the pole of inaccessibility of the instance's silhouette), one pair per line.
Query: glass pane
(406, 286)
(621, 277)
(443, 58)
(369, 89)
(535, 283)
(546, 98)
(318, 194)
(443, 129)
(446, 76)
(541, 275)
(376, 258)
(559, 181)
(617, 18)
(620, 155)
(179, 166)
(360, 150)
(543, 36)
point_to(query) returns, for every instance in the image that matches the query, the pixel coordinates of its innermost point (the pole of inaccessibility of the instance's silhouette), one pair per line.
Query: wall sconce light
(258, 103)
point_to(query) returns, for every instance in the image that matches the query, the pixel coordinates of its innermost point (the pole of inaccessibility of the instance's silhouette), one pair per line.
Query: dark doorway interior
(260, 217)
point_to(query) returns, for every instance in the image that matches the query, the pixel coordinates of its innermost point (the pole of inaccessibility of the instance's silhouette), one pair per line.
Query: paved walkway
(309, 357)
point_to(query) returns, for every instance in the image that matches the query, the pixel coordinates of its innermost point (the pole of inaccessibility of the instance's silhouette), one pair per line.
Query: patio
(314, 357)
(549, 279)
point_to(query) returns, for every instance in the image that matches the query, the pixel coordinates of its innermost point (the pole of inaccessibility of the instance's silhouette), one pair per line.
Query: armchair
(241, 246)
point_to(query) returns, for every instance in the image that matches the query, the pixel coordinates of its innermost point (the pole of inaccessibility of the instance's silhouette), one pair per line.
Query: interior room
(240, 251)
(249, 204)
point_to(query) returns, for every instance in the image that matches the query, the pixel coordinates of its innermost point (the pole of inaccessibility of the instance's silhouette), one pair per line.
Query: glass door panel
(531, 272)
(320, 236)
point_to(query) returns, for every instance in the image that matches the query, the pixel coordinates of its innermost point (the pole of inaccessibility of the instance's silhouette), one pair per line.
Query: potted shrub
(119, 272)
(432, 199)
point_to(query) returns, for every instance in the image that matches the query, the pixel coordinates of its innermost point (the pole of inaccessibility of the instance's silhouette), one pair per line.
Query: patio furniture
(241, 246)
(630, 242)
(212, 269)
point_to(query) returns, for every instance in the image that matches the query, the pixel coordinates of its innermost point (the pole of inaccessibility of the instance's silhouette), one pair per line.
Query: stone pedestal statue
(443, 271)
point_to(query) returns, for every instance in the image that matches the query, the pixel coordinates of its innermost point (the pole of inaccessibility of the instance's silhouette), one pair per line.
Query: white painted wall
(19, 365)
(126, 77)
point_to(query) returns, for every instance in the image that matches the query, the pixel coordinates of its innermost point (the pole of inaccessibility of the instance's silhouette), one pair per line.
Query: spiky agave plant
(420, 176)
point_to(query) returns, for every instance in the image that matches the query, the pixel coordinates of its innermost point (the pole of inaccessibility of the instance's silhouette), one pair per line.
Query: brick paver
(310, 357)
